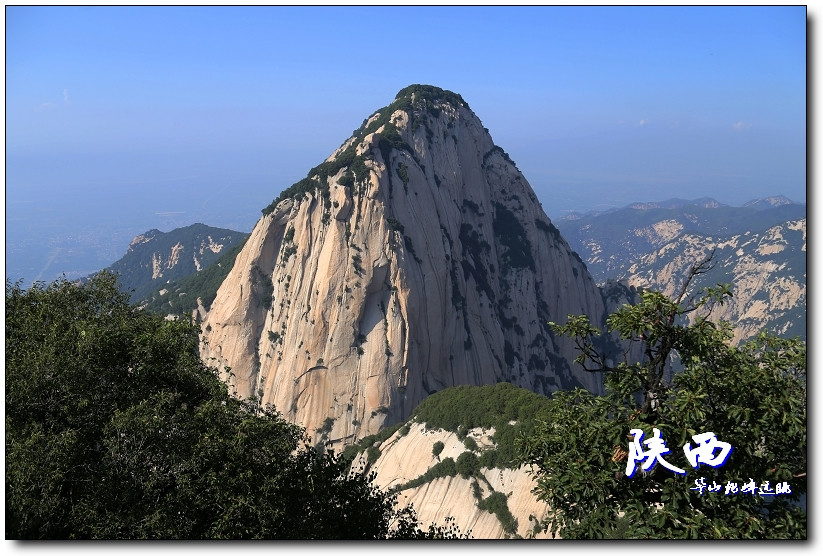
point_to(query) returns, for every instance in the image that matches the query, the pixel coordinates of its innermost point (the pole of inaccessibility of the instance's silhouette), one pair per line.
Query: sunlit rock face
(416, 257)
(404, 457)
(767, 271)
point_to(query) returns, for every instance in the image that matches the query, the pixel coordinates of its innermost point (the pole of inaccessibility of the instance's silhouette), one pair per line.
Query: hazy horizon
(123, 119)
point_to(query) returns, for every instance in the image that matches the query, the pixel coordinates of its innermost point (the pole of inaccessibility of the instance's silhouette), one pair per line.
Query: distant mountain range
(155, 259)
(760, 249)
(703, 202)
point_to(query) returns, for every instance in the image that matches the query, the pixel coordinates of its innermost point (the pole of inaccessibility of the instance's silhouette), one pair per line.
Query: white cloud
(641, 123)
(51, 105)
(741, 126)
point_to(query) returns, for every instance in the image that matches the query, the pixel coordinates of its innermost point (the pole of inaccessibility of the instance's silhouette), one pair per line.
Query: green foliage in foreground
(752, 397)
(115, 429)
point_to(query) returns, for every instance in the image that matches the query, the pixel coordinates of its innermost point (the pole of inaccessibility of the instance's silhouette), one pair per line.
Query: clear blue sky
(211, 111)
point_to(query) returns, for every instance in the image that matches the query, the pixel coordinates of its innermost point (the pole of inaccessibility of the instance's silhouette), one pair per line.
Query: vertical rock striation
(416, 257)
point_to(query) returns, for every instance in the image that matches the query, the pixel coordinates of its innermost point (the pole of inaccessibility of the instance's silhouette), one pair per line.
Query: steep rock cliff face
(416, 257)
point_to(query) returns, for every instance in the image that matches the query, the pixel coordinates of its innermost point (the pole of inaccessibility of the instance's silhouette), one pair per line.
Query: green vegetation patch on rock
(509, 409)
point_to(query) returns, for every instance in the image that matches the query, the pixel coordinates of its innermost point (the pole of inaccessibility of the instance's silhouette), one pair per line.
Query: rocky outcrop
(611, 241)
(760, 251)
(416, 257)
(767, 271)
(404, 457)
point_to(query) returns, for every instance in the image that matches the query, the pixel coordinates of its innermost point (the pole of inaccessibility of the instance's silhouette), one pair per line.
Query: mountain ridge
(608, 241)
(762, 203)
(760, 248)
(155, 258)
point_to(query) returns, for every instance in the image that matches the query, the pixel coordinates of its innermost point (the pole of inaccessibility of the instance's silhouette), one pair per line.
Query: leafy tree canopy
(752, 397)
(115, 429)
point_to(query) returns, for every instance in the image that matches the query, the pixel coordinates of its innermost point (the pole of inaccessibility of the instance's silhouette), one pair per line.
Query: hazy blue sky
(163, 116)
